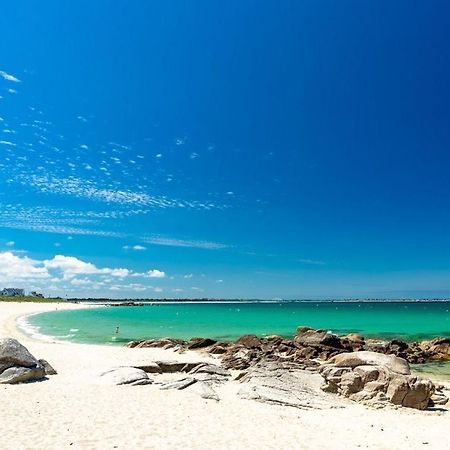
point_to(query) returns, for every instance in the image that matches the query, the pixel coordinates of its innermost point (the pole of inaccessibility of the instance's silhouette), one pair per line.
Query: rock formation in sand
(18, 365)
(375, 378)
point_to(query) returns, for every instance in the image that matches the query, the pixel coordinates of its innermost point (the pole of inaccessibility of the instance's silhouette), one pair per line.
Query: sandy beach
(72, 410)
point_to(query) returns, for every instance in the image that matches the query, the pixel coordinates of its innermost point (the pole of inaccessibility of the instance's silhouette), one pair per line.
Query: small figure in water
(117, 330)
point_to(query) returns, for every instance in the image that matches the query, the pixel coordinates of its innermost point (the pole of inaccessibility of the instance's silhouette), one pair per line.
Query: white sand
(71, 410)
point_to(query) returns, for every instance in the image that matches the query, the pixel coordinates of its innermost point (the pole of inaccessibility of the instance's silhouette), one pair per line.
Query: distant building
(12, 292)
(36, 294)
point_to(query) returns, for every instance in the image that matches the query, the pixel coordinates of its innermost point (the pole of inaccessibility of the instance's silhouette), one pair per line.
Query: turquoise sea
(227, 321)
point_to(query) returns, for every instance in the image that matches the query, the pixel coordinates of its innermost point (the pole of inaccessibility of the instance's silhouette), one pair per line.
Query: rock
(410, 392)
(438, 349)
(249, 341)
(218, 349)
(414, 352)
(307, 336)
(354, 337)
(394, 347)
(274, 339)
(368, 373)
(376, 378)
(210, 369)
(14, 375)
(164, 343)
(279, 383)
(126, 375)
(196, 342)
(320, 344)
(17, 364)
(239, 358)
(355, 341)
(179, 384)
(49, 370)
(150, 367)
(350, 383)
(203, 390)
(13, 353)
(366, 358)
(438, 398)
(176, 366)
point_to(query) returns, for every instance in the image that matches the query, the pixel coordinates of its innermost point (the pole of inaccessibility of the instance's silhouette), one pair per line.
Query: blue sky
(290, 149)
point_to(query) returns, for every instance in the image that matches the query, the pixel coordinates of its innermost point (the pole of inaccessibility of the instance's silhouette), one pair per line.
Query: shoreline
(25, 331)
(29, 331)
(74, 410)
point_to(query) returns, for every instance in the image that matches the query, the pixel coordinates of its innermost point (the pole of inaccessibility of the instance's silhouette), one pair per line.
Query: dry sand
(71, 410)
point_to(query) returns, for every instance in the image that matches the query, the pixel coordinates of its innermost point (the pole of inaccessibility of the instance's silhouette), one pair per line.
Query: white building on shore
(12, 292)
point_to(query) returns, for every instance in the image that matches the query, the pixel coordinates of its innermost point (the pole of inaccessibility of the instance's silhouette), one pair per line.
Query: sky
(237, 149)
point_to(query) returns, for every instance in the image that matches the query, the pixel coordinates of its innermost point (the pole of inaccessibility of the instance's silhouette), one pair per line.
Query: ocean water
(227, 321)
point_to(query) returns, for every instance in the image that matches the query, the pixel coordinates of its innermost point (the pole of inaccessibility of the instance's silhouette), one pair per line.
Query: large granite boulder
(308, 336)
(377, 379)
(16, 374)
(438, 349)
(13, 353)
(283, 383)
(17, 364)
(365, 358)
(320, 344)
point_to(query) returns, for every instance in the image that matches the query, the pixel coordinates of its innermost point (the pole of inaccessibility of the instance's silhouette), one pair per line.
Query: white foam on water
(33, 331)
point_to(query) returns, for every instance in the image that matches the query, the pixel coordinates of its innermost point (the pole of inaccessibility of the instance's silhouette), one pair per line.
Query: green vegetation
(29, 299)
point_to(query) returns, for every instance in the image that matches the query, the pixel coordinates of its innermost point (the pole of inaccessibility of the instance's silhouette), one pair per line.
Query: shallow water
(227, 321)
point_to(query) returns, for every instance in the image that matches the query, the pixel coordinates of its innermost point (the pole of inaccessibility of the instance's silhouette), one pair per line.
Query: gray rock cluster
(18, 365)
(437, 349)
(278, 370)
(377, 379)
(200, 378)
(308, 345)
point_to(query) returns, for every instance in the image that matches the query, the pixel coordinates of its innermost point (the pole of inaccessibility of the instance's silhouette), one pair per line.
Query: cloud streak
(171, 242)
(9, 77)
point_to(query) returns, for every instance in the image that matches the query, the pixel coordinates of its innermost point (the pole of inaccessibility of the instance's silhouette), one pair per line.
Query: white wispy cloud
(138, 248)
(172, 242)
(313, 262)
(87, 189)
(9, 77)
(58, 229)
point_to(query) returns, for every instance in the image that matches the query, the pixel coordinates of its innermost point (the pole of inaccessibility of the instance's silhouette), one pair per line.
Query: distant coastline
(245, 300)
